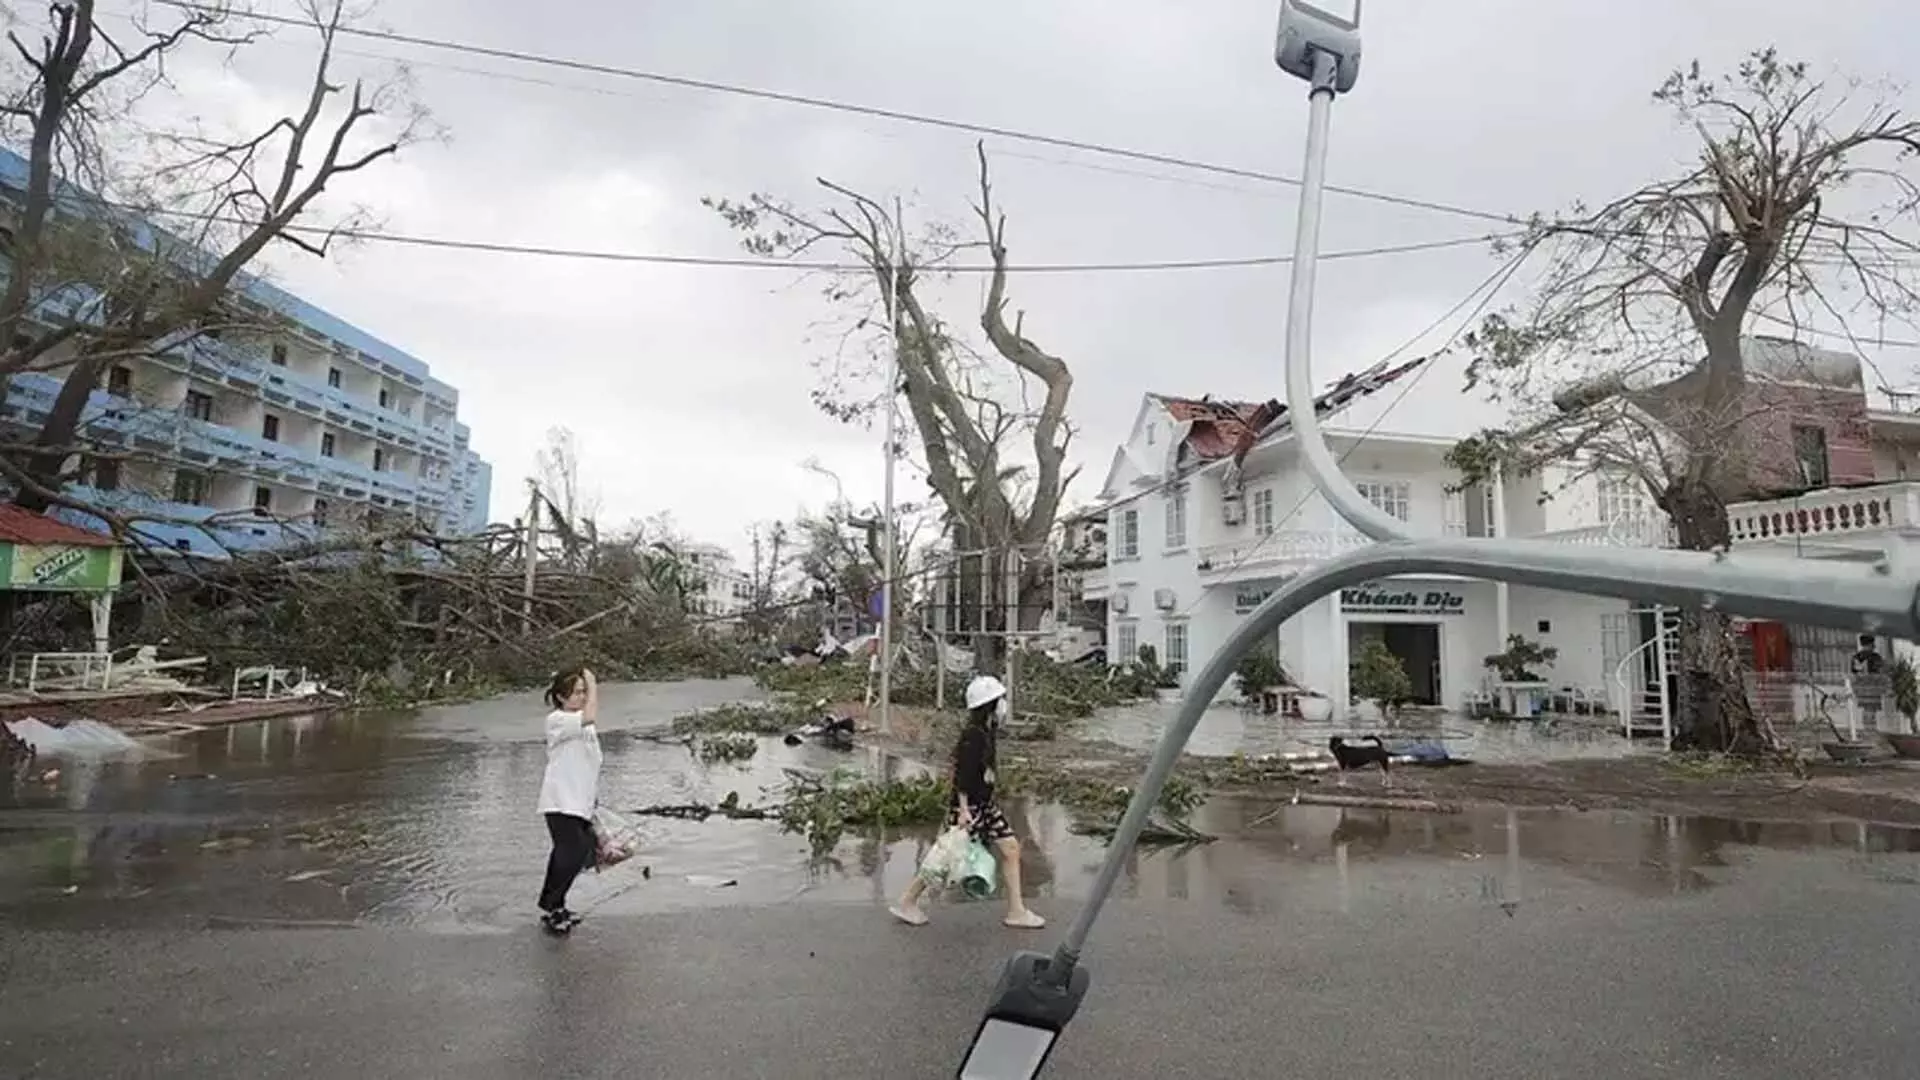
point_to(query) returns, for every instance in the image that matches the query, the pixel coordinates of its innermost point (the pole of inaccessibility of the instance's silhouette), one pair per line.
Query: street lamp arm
(1881, 599)
(1321, 467)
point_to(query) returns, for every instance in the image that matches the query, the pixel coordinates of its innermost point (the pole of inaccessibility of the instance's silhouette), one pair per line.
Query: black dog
(1350, 758)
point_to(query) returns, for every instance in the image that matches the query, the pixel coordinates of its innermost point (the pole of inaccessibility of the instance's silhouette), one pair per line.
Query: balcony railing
(1839, 514)
(1276, 551)
(1637, 531)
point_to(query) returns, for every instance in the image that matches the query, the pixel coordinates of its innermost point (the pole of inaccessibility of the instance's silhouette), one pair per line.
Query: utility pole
(888, 531)
(530, 554)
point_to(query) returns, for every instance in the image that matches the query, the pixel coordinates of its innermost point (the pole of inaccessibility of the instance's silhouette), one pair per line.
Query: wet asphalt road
(1780, 973)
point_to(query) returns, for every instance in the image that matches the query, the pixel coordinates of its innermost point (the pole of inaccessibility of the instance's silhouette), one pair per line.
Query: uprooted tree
(1636, 356)
(968, 411)
(116, 255)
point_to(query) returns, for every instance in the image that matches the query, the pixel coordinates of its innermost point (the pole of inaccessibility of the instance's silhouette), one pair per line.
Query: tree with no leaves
(91, 282)
(1634, 356)
(968, 411)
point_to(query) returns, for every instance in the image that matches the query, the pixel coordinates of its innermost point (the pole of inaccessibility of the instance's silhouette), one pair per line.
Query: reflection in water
(1225, 730)
(428, 820)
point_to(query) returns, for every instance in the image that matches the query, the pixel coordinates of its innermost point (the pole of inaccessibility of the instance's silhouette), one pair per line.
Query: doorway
(1415, 645)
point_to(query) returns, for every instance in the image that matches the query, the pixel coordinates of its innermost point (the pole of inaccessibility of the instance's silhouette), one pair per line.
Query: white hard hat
(984, 690)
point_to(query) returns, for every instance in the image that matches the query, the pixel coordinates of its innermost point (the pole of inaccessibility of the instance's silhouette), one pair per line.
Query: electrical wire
(855, 109)
(805, 265)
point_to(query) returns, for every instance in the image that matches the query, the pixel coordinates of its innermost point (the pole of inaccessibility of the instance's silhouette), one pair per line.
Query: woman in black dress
(974, 805)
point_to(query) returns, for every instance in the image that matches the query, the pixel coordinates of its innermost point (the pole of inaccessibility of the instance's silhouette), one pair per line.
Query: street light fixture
(1038, 994)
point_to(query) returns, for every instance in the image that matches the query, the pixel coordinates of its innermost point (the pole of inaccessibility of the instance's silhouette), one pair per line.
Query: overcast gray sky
(688, 387)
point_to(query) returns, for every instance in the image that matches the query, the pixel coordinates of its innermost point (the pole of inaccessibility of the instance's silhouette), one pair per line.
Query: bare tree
(771, 557)
(81, 239)
(1634, 354)
(969, 412)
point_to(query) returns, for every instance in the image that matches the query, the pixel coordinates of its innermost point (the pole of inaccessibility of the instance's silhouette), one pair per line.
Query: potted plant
(1315, 707)
(1847, 747)
(1516, 663)
(1379, 677)
(1258, 672)
(1904, 683)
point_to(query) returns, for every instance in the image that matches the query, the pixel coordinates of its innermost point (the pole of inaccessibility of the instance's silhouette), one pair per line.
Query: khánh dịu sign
(62, 568)
(1377, 600)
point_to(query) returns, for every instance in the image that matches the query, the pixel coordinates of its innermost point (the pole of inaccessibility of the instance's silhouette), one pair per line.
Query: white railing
(1835, 513)
(1624, 683)
(1636, 530)
(1277, 549)
(61, 671)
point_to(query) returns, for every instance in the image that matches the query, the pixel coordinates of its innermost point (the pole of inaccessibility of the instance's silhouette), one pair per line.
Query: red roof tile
(19, 526)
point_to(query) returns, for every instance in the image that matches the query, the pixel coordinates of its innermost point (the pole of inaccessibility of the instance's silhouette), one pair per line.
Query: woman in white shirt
(569, 791)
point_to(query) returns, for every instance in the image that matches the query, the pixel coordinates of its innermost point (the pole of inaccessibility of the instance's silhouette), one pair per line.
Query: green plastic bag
(978, 872)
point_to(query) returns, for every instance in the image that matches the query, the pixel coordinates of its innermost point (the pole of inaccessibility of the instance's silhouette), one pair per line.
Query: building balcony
(1096, 583)
(1838, 519)
(1274, 555)
(1648, 531)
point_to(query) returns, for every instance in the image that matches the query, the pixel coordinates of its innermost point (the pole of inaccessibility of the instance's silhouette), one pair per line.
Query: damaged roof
(1222, 429)
(27, 528)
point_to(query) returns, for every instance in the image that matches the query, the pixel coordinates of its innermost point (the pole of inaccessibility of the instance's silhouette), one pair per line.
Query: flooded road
(427, 821)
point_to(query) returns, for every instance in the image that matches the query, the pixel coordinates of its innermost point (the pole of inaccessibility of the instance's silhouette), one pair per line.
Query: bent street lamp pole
(1038, 993)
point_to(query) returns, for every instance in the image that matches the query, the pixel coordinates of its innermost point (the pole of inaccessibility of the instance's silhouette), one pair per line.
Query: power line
(1516, 221)
(748, 262)
(873, 111)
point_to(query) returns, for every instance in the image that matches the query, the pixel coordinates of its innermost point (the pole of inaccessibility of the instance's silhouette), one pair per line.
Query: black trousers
(574, 848)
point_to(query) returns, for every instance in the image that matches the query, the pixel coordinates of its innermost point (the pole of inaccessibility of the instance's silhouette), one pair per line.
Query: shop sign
(1379, 600)
(1246, 598)
(60, 568)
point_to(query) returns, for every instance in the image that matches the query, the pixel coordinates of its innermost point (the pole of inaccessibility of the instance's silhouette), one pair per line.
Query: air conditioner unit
(1163, 599)
(1233, 511)
(1118, 603)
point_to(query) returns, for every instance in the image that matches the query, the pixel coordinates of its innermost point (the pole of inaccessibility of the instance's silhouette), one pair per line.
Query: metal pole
(531, 555)
(886, 502)
(1373, 522)
(1873, 599)
(1010, 624)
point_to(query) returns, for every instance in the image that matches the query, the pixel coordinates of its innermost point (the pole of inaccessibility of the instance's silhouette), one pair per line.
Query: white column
(100, 606)
(1503, 615)
(1337, 652)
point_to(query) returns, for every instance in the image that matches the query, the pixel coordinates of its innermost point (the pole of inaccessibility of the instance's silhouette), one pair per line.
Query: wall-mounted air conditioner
(1233, 510)
(1119, 603)
(1163, 599)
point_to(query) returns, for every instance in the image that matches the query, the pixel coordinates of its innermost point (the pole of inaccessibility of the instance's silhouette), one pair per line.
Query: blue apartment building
(297, 424)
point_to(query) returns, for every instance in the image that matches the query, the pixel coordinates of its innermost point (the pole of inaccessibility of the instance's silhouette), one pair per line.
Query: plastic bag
(619, 838)
(946, 858)
(978, 872)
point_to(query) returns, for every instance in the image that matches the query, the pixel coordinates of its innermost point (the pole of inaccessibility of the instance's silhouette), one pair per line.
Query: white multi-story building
(1208, 510)
(717, 587)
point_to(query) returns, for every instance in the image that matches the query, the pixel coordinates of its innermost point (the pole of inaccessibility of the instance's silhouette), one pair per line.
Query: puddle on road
(428, 821)
(1227, 729)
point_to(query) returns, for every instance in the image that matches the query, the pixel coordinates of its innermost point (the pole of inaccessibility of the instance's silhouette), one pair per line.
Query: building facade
(1208, 510)
(248, 438)
(716, 586)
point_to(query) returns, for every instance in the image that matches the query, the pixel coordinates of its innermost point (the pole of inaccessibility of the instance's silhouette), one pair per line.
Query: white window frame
(1620, 498)
(1169, 656)
(1391, 497)
(1126, 642)
(1262, 514)
(1176, 515)
(1126, 528)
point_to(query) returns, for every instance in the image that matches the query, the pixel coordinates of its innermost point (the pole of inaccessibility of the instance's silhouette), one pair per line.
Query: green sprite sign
(60, 567)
